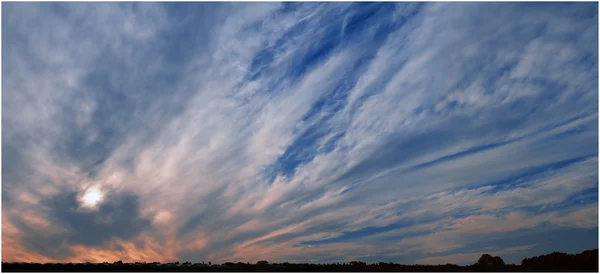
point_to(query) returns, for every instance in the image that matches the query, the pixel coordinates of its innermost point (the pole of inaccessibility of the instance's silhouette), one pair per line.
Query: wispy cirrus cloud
(413, 132)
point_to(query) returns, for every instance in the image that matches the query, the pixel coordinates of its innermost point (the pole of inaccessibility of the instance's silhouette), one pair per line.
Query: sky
(414, 133)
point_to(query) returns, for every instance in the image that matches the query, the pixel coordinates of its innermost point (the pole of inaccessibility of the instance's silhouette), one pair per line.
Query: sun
(92, 197)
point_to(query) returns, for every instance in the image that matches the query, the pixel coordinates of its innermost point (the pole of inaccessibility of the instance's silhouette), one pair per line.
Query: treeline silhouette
(558, 260)
(586, 261)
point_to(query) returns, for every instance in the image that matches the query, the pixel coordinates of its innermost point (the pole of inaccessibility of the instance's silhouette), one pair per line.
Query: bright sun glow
(92, 197)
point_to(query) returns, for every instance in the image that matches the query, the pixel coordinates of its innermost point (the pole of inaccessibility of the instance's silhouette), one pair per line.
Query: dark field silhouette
(586, 261)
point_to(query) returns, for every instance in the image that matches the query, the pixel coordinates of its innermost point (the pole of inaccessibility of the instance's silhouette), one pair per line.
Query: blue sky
(322, 132)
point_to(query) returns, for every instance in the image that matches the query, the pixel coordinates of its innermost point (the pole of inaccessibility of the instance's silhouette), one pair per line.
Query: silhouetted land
(586, 261)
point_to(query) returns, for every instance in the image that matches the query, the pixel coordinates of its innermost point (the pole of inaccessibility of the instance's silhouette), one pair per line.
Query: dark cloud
(118, 216)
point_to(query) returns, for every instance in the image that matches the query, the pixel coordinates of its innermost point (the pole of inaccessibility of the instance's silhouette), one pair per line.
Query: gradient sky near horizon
(302, 132)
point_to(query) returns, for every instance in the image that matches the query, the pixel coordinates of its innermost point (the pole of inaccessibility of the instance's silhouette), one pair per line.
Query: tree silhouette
(556, 261)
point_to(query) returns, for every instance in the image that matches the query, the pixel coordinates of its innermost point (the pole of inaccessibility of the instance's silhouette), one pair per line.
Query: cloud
(62, 221)
(296, 131)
